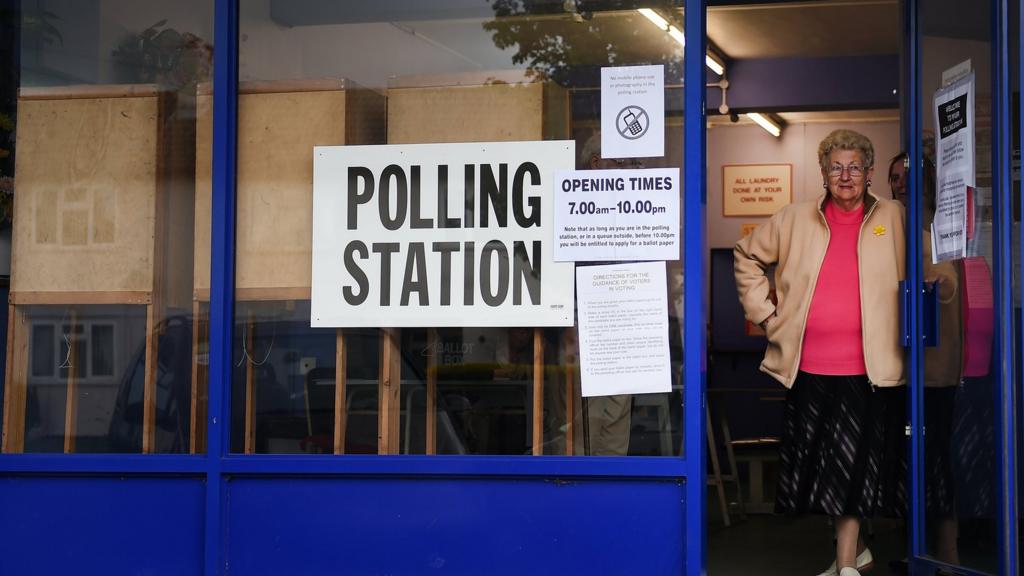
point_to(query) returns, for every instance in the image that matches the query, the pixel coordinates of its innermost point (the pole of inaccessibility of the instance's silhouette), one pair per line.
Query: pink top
(833, 343)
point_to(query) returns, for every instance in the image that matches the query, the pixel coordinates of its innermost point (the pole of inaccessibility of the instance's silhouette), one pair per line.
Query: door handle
(904, 313)
(930, 313)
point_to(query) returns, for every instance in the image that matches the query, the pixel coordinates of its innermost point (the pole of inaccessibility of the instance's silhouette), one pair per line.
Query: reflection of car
(478, 412)
(482, 408)
(173, 393)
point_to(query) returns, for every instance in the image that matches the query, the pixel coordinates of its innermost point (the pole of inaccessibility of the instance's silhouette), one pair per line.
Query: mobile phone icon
(632, 123)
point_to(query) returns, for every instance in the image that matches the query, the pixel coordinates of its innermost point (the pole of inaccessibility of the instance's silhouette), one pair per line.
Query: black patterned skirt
(843, 448)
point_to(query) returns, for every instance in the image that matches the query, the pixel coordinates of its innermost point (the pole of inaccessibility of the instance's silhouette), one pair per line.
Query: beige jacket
(794, 240)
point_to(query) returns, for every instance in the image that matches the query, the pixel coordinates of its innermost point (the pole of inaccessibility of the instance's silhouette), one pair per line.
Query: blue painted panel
(454, 526)
(101, 525)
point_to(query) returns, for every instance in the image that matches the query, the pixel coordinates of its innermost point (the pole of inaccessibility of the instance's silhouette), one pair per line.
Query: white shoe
(849, 572)
(864, 562)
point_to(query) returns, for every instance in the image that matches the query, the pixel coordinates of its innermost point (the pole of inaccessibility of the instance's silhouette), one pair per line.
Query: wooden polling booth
(279, 123)
(94, 168)
(503, 106)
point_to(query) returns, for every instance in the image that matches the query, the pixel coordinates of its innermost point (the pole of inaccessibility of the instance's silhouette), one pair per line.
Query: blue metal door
(963, 513)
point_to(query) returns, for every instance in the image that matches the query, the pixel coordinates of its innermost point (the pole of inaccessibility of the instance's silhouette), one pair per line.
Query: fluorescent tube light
(654, 17)
(658, 20)
(713, 63)
(765, 122)
(677, 35)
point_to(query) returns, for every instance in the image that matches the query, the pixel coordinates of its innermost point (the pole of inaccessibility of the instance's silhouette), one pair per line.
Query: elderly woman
(833, 340)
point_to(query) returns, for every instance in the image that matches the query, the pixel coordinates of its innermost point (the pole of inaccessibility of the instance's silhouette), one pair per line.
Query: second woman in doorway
(833, 340)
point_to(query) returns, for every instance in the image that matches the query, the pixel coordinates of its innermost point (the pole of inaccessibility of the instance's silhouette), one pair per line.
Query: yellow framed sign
(756, 189)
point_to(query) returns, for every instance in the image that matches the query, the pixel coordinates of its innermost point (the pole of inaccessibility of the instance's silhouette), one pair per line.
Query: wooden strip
(432, 348)
(250, 386)
(196, 421)
(149, 383)
(260, 294)
(270, 294)
(284, 86)
(340, 381)
(570, 391)
(476, 78)
(16, 381)
(155, 310)
(80, 91)
(137, 297)
(8, 378)
(71, 398)
(538, 392)
(388, 425)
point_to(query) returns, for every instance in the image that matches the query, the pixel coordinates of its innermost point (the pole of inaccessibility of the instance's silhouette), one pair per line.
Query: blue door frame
(204, 503)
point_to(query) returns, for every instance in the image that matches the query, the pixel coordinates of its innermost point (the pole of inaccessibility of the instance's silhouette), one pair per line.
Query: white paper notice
(623, 319)
(617, 215)
(633, 111)
(954, 168)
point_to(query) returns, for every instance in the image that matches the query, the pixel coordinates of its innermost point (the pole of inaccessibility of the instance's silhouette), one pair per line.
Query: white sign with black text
(633, 111)
(438, 235)
(623, 324)
(954, 168)
(609, 215)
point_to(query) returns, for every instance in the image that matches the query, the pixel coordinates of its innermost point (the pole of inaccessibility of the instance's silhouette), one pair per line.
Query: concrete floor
(777, 545)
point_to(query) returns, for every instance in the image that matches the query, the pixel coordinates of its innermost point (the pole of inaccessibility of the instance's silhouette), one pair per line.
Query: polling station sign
(432, 235)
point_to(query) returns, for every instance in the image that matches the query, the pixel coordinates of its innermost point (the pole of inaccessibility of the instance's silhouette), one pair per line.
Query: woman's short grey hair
(846, 140)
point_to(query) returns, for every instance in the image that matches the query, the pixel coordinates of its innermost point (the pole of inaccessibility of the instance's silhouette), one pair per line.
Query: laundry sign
(756, 189)
(438, 235)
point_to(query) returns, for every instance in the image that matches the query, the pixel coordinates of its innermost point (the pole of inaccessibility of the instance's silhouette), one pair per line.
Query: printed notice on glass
(623, 320)
(633, 111)
(612, 215)
(954, 168)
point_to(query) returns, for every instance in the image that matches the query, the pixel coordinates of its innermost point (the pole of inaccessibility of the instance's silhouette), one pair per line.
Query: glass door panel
(960, 495)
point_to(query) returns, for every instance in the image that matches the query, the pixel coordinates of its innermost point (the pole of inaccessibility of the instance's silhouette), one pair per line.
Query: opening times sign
(614, 215)
(430, 235)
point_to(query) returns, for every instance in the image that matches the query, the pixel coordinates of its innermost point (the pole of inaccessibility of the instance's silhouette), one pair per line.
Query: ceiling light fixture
(654, 17)
(762, 120)
(712, 61)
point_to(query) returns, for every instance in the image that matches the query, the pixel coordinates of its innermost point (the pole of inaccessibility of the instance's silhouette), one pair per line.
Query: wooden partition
(90, 223)
(279, 123)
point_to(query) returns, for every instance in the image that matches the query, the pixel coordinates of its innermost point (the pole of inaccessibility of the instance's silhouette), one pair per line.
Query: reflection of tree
(554, 38)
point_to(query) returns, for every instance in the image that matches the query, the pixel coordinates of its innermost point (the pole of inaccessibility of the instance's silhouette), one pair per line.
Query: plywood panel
(477, 113)
(276, 135)
(85, 212)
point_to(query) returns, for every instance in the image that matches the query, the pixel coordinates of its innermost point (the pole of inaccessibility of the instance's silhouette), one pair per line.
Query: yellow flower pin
(879, 230)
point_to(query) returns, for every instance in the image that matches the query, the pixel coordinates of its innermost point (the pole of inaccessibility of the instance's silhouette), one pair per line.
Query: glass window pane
(98, 143)
(446, 73)
(101, 345)
(960, 457)
(42, 350)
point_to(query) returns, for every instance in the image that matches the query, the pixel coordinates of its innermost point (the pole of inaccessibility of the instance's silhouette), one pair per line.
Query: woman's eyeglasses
(854, 170)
